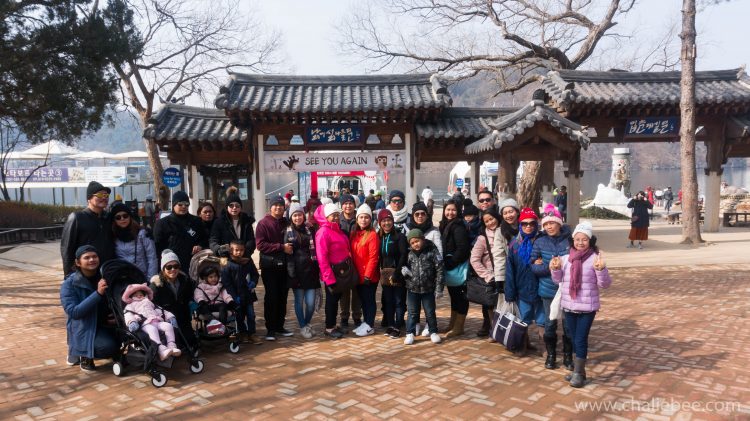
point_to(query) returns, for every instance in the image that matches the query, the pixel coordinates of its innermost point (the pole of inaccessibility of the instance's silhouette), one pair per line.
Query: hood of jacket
(323, 222)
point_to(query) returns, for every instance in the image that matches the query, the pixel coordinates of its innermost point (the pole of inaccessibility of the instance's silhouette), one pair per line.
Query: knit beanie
(383, 214)
(325, 200)
(414, 233)
(330, 209)
(469, 208)
(396, 193)
(551, 214)
(509, 202)
(419, 206)
(168, 256)
(584, 227)
(119, 207)
(527, 213)
(233, 198)
(364, 210)
(86, 248)
(346, 198)
(180, 196)
(296, 207)
(95, 187)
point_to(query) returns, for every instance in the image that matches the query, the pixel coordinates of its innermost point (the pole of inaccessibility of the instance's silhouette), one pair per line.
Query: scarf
(522, 245)
(424, 226)
(399, 217)
(124, 234)
(576, 259)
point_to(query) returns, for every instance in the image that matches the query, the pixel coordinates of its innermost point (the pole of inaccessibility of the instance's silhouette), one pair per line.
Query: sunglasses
(528, 224)
(121, 216)
(182, 204)
(485, 200)
(101, 195)
(397, 201)
(171, 267)
(234, 205)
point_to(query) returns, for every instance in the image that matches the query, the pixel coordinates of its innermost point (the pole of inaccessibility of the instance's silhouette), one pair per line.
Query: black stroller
(136, 348)
(199, 261)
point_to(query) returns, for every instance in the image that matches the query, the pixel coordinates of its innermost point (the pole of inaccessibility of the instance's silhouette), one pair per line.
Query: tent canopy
(53, 147)
(92, 155)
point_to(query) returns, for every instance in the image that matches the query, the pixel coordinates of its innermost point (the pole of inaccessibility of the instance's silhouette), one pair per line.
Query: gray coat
(141, 252)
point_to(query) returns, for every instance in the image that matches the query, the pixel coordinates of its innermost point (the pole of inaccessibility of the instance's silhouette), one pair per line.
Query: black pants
(332, 308)
(274, 302)
(459, 302)
(207, 310)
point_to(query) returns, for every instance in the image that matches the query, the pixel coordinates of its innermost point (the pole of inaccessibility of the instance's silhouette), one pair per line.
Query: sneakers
(416, 328)
(285, 333)
(364, 330)
(164, 352)
(175, 351)
(334, 333)
(87, 364)
(306, 332)
(395, 333)
(640, 246)
(426, 331)
(630, 246)
(388, 331)
(435, 338)
(409, 339)
(270, 336)
(71, 360)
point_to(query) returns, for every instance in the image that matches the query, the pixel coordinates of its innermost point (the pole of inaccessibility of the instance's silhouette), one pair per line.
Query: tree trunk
(530, 185)
(154, 164)
(690, 216)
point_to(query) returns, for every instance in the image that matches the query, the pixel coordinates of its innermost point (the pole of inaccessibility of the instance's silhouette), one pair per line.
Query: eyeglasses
(101, 195)
(171, 267)
(485, 200)
(182, 204)
(234, 205)
(528, 224)
(121, 216)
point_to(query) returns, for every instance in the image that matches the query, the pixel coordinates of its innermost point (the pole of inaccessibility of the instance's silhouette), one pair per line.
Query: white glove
(406, 271)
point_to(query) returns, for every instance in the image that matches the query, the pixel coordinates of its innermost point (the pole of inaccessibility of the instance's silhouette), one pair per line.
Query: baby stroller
(199, 261)
(136, 348)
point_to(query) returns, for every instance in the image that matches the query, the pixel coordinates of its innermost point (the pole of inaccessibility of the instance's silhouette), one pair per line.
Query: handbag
(634, 218)
(480, 292)
(555, 309)
(507, 327)
(346, 276)
(272, 261)
(457, 276)
(386, 277)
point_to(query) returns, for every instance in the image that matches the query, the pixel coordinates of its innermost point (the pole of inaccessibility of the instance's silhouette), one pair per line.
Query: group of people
(341, 251)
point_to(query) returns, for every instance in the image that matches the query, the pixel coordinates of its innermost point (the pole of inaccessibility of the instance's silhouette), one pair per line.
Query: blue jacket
(80, 301)
(520, 281)
(547, 247)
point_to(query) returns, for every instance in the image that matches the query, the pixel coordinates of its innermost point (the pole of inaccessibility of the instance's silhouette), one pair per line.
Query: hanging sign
(348, 161)
(106, 175)
(171, 177)
(334, 134)
(652, 126)
(459, 182)
(40, 175)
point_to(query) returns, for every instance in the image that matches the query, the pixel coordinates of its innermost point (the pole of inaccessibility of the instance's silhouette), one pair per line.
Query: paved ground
(669, 343)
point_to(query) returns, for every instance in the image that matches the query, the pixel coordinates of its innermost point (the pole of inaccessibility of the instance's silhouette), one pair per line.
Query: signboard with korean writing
(171, 177)
(354, 161)
(459, 182)
(652, 126)
(107, 175)
(41, 175)
(334, 134)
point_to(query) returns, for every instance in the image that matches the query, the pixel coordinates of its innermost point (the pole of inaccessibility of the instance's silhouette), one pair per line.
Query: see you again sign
(393, 161)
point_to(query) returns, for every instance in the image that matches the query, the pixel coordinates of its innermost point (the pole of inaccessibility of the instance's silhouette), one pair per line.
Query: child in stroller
(137, 348)
(142, 314)
(211, 296)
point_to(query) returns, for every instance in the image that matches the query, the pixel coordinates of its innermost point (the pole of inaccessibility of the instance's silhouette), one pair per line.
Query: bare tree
(188, 46)
(10, 137)
(691, 233)
(515, 42)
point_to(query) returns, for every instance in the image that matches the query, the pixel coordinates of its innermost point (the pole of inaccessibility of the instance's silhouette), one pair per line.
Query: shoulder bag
(477, 290)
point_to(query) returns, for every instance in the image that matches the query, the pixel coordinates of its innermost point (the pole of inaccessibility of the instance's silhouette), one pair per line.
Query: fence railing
(37, 235)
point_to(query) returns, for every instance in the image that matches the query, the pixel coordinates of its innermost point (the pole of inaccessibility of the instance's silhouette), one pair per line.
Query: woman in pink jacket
(331, 249)
(580, 274)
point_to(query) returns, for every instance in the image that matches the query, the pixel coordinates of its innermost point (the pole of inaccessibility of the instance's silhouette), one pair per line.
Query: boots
(578, 378)
(486, 321)
(567, 352)
(458, 326)
(164, 352)
(551, 346)
(175, 350)
(451, 323)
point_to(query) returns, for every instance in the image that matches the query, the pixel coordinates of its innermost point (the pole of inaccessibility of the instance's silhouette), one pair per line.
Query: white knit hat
(330, 209)
(168, 256)
(296, 207)
(584, 227)
(364, 210)
(325, 200)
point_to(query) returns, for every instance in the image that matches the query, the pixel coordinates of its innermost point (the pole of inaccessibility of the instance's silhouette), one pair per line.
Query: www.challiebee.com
(658, 405)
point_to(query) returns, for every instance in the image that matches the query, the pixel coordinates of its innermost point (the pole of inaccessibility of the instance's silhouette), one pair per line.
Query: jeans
(414, 301)
(350, 299)
(579, 326)
(105, 344)
(304, 305)
(332, 308)
(459, 302)
(668, 205)
(274, 302)
(366, 295)
(533, 312)
(394, 304)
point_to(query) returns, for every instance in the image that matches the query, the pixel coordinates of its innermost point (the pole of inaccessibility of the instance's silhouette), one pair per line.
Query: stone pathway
(667, 338)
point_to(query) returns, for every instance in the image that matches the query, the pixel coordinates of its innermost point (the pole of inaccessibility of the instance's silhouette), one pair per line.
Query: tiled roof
(571, 89)
(462, 123)
(512, 125)
(180, 122)
(300, 97)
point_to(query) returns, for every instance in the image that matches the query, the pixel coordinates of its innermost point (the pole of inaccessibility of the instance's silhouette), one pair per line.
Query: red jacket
(365, 247)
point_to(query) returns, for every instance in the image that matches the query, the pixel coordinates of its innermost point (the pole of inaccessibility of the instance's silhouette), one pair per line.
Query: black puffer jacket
(223, 232)
(176, 303)
(426, 270)
(393, 252)
(180, 234)
(456, 246)
(303, 271)
(86, 228)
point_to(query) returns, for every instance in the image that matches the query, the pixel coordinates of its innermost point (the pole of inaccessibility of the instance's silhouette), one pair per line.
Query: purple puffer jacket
(587, 299)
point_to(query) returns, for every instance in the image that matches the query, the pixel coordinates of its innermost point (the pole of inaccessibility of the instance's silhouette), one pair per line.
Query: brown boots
(458, 326)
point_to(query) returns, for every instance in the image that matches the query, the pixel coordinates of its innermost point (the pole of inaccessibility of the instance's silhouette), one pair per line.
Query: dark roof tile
(181, 122)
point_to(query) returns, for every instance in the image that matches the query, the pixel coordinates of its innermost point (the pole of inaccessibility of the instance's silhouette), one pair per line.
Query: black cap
(469, 208)
(180, 196)
(80, 251)
(346, 198)
(95, 187)
(233, 198)
(419, 206)
(278, 200)
(396, 193)
(119, 207)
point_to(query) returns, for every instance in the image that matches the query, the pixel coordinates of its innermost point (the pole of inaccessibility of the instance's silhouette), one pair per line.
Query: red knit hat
(384, 213)
(527, 213)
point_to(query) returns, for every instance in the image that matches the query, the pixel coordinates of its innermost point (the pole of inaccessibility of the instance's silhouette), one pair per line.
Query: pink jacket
(213, 294)
(587, 299)
(144, 312)
(481, 258)
(331, 246)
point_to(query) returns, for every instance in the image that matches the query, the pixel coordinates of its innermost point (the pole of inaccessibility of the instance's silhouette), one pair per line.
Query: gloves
(173, 322)
(133, 326)
(406, 271)
(438, 294)
(367, 281)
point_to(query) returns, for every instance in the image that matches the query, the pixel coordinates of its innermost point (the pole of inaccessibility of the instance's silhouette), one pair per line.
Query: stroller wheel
(158, 379)
(234, 347)
(196, 366)
(118, 369)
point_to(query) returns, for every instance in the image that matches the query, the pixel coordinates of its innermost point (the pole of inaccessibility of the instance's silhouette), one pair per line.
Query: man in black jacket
(180, 232)
(88, 227)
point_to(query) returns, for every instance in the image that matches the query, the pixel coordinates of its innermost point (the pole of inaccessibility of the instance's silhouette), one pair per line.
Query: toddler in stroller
(142, 314)
(211, 296)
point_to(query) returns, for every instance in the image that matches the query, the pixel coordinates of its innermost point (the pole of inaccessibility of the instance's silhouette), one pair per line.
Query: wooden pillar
(410, 191)
(477, 166)
(259, 180)
(574, 175)
(506, 176)
(548, 180)
(715, 158)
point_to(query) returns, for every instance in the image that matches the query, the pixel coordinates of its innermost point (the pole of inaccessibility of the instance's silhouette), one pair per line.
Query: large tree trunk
(157, 169)
(690, 216)
(530, 185)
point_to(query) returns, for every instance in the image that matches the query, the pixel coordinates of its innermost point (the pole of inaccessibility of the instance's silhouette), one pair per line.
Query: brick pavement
(673, 333)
